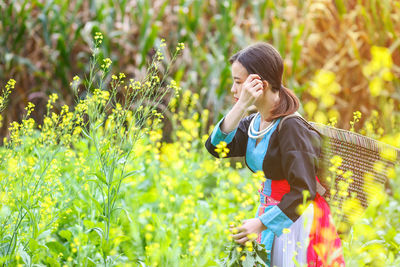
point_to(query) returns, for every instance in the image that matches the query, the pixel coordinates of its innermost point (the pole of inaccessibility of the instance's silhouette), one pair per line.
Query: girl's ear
(266, 85)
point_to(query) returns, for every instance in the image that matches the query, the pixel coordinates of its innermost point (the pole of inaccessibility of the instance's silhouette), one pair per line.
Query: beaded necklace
(253, 133)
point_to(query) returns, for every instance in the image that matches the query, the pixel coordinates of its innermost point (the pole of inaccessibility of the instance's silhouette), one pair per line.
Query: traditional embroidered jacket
(292, 158)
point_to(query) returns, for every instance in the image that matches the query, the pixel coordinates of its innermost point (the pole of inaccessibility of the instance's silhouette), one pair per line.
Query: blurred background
(340, 56)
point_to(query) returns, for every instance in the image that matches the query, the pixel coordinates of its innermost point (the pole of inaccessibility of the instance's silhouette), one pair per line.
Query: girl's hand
(248, 227)
(252, 89)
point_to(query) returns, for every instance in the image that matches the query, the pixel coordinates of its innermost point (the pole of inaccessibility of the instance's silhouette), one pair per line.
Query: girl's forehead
(238, 71)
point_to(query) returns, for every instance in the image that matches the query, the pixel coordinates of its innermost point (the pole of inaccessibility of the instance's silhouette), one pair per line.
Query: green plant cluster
(239, 256)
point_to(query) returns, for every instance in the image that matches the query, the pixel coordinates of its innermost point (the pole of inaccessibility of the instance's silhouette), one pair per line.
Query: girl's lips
(236, 99)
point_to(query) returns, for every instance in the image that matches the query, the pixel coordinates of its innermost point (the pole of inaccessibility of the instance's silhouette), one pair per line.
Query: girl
(293, 234)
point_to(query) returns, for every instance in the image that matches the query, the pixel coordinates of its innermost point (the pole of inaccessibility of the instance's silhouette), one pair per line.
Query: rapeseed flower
(6, 92)
(106, 64)
(180, 47)
(98, 37)
(222, 149)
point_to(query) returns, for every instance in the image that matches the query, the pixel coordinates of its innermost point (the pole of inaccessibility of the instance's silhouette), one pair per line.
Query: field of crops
(105, 108)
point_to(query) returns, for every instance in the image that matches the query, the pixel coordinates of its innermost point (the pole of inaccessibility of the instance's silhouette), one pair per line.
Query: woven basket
(368, 160)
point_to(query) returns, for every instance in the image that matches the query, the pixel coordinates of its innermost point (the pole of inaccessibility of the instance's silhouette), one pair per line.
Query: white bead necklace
(257, 134)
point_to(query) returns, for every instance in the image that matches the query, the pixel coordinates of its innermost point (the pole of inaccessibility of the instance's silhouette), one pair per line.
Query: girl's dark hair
(263, 59)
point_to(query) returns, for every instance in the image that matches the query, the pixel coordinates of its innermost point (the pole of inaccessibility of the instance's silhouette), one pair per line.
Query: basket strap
(321, 190)
(296, 114)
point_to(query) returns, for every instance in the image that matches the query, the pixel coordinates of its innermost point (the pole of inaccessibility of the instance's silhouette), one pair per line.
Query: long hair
(263, 59)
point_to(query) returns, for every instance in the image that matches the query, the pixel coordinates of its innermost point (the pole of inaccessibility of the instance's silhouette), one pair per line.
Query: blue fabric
(218, 135)
(273, 218)
(266, 191)
(255, 154)
(267, 236)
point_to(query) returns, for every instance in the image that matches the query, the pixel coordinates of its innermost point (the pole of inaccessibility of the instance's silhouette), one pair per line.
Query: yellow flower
(310, 107)
(148, 236)
(162, 42)
(336, 160)
(29, 108)
(332, 121)
(221, 149)
(106, 63)
(149, 227)
(252, 236)
(180, 46)
(98, 37)
(3, 98)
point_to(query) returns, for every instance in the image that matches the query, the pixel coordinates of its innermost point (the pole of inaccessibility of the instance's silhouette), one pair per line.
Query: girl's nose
(233, 89)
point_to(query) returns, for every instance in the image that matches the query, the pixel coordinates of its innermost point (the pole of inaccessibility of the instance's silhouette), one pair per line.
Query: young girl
(293, 234)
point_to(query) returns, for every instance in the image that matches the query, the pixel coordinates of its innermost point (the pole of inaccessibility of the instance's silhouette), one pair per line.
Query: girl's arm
(233, 118)
(232, 129)
(252, 89)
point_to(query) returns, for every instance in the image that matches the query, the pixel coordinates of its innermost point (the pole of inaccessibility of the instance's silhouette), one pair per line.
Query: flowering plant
(249, 255)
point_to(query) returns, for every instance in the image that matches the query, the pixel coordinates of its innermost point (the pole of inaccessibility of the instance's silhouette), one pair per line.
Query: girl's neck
(265, 107)
(265, 112)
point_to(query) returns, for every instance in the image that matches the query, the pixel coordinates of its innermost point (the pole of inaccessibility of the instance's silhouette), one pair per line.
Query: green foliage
(241, 256)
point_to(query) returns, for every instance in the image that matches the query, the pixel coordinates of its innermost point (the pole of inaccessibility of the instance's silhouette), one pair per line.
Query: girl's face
(240, 74)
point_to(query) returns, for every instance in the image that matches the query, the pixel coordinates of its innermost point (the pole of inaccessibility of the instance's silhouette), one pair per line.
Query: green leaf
(96, 203)
(25, 257)
(33, 244)
(90, 262)
(132, 173)
(248, 261)
(65, 234)
(95, 235)
(32, 218)
(106, 247)
(98, 230)
(101, 177)
(56, 247)
(261, 251)
(52, 262)
(86, 134)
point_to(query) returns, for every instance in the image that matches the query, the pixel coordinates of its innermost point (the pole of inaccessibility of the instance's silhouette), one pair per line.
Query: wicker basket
(368, 160)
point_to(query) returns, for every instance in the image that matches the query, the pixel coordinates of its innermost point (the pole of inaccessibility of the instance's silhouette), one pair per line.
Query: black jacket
(292, 154)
